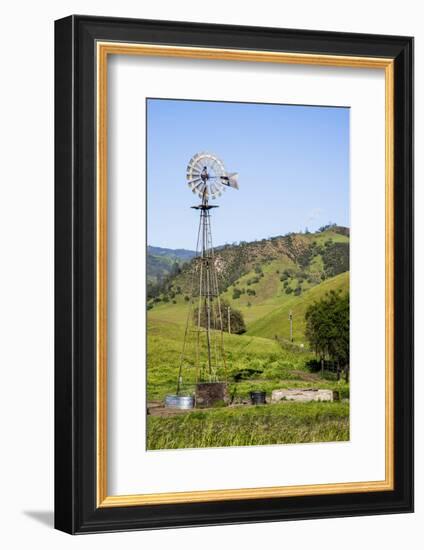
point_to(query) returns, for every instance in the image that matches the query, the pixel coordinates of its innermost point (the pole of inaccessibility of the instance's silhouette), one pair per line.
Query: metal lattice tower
(207, 178)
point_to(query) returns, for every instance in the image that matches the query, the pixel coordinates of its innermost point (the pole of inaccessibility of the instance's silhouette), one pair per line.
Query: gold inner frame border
(103, 50)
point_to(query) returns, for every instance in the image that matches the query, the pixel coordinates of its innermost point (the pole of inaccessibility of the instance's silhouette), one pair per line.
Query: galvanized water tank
(179, 401)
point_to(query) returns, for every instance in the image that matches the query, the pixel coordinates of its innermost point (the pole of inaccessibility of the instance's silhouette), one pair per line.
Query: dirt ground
(157, 408)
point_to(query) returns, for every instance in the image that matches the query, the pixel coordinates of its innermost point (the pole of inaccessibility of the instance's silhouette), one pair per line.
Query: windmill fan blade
(199, 188)
(194, 181)
(193, 170)
(197, 185)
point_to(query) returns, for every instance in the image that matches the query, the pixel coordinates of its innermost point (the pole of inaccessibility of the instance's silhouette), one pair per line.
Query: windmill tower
(208, 179)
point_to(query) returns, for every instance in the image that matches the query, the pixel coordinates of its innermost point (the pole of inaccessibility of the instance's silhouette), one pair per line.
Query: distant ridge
(162, 261)
(180, 253)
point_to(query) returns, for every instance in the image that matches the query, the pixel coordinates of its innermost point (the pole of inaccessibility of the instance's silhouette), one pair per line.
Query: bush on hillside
(236, 293)
(237, 324)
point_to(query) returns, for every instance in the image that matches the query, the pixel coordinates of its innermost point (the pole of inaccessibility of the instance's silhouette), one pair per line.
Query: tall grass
(262, 425)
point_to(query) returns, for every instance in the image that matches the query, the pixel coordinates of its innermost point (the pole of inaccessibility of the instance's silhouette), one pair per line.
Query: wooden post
(291, 325)
(229, 319)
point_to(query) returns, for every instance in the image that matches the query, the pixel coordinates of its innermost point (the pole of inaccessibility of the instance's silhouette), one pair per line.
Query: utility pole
(291, 325)
(229, 319)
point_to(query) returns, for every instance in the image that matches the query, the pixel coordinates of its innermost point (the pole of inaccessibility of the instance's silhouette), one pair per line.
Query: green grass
(164, 345)
(321, 238)
(262, 425)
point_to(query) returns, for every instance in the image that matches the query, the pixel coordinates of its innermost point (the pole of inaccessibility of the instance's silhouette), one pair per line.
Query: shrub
(236, 293)
(313, 365)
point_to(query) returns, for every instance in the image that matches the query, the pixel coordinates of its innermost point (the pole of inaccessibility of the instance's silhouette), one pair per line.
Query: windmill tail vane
(203, 344)
(231, 180)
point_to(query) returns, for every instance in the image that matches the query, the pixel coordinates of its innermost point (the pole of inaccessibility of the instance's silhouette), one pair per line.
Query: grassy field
(272, 367)
(260, 425)
(256, 360)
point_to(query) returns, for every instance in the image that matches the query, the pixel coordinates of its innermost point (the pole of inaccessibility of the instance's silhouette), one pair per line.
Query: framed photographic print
(234, 274)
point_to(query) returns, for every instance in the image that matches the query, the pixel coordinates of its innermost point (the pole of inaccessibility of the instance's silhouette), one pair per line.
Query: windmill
(208, 179)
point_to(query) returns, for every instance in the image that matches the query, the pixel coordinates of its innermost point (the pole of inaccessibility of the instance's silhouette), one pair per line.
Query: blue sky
(292, 161)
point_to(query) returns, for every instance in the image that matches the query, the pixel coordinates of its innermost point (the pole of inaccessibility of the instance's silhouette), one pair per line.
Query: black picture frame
(76, 510)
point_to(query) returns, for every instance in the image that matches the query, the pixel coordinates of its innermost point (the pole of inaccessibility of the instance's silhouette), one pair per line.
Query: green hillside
(304, 260)
(276, 323)
(265, 279)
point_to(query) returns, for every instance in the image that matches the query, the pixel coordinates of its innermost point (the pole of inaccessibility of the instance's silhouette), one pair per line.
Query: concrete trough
(302, 396)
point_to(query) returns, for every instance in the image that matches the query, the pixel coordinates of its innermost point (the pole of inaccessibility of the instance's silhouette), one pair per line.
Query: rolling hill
(276, 323)
(266, 279)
